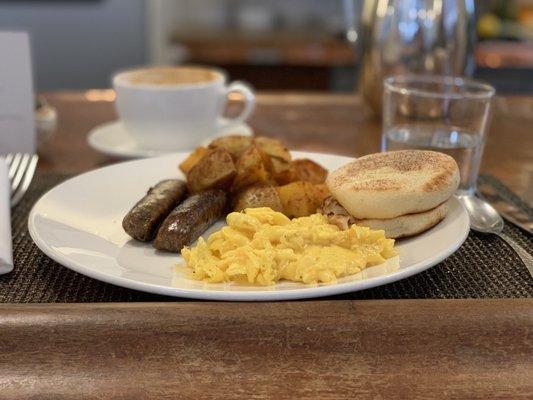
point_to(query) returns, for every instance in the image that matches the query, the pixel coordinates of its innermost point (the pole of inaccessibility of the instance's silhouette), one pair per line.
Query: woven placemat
(484, 267)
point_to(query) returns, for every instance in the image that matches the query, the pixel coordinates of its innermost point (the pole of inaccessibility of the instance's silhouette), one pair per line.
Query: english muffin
(391, 184)
(408, 224)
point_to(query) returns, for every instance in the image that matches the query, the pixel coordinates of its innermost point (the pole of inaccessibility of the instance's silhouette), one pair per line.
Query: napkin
(6, 252)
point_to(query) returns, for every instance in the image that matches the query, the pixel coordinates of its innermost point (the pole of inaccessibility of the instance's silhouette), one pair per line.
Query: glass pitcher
(410, 36)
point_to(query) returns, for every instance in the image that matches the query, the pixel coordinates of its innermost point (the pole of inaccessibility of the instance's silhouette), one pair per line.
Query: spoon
(485, 219)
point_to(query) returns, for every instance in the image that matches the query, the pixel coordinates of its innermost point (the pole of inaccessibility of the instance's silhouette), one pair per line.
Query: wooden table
(432, 349)
(315, 122)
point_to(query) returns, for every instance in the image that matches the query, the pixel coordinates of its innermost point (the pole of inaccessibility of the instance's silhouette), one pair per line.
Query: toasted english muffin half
(409, 224)
(391, 184)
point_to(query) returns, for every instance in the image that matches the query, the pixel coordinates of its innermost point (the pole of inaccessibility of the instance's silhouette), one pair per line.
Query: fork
(21, 169)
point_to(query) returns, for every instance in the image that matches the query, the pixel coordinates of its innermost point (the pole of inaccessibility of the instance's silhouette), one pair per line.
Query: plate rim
(311, 291)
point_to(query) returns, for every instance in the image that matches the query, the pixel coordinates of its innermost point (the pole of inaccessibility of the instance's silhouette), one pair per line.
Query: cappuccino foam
(162, 76)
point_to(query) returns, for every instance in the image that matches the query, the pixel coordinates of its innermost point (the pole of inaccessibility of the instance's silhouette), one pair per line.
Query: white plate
(112, 139)
(78, 224)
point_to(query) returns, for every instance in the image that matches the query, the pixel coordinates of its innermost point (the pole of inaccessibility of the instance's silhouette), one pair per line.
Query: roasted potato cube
(233, 144)
(192, 159)
(276, 159)
(321, 192)
(250, 170)
(282, 171)
(258, 196)
(215, 170)
(309, 171)
(299, 199)
(272, 148)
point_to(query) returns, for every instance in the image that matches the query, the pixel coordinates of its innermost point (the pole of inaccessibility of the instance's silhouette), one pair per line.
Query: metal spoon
(485, 219)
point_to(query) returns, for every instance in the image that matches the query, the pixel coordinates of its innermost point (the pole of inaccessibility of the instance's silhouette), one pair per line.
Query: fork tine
(28, 176)
(14, 165)
(20, 171)
(9, 158)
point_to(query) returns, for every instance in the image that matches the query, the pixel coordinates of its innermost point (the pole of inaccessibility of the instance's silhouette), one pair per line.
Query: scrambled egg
(261, 246)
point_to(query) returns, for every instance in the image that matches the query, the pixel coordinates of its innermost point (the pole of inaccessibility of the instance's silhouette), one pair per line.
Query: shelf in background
(317, 49)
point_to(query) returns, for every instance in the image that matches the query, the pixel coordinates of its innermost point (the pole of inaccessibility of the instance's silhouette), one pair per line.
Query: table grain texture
(401, 349)
(409, 349)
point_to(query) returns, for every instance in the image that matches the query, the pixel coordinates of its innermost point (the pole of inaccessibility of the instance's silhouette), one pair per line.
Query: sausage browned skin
(189, 220)
(142, 221)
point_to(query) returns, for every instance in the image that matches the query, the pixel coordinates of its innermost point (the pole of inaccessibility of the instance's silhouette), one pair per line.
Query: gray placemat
(484, 267)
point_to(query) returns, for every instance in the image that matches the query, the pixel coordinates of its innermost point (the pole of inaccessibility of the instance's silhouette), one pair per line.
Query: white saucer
(113, 139)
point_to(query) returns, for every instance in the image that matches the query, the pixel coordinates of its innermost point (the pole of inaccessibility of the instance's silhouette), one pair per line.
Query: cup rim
(118, 82)
(483, 90)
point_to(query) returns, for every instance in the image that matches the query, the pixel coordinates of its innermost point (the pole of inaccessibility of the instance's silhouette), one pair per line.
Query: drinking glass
(442, 113)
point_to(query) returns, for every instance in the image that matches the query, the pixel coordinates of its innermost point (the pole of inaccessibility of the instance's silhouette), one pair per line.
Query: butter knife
(514, 214)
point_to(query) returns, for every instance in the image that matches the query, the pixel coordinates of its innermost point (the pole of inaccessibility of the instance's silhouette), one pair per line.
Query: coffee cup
(176, 108)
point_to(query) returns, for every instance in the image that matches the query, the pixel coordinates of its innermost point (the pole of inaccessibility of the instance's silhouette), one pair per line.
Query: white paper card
(17, 125)
(6, 255)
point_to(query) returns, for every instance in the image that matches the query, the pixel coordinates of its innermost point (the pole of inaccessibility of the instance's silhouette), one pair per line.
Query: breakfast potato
(192, 159)
(250, 170)
(215, 170)
(258, 196)
(272, 148)
(300, 199)
(321, 192)
(309, 171)
(281, 170)
(233, 144)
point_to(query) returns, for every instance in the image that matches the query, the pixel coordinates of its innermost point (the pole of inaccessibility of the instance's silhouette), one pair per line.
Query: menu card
(17, 110)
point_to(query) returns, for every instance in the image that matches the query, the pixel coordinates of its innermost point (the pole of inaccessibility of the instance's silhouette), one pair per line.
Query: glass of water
(441, 113)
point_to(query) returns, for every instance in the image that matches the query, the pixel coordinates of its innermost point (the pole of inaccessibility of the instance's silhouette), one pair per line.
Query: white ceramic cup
(177, 116)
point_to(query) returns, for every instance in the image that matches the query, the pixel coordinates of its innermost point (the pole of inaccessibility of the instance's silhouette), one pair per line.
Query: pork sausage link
(189, 220)
(142, 221)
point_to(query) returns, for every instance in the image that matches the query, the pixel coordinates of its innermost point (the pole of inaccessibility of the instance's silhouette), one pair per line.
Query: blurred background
(275, 44)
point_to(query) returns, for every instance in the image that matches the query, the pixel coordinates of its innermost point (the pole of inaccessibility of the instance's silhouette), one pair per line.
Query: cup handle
(249, 102)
